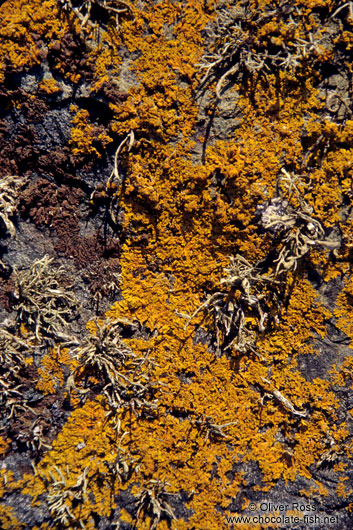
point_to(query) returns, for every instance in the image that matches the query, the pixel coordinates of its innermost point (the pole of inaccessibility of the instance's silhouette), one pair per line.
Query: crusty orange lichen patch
(4, 445)
(187, 228)
(344, 309)
(8, 519)
(188, 370)
(49, 86)
(80, 469)
(344, 374)
(22, 24)
(51, 371)
(86, 138)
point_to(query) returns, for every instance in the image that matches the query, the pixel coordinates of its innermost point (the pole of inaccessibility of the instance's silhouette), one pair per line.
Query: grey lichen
(9, 194)
(124, 377)
(152, 502)
(42, 303)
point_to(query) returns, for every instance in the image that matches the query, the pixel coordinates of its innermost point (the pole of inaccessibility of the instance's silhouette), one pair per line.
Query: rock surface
(176, 291)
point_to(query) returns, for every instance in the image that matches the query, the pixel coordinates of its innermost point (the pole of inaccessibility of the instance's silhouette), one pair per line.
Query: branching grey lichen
(245, 296)
(124, 376)
(299, 230)
(280, 398)
(110, 191)
(13, 351)
(88, 10)
(253, 293)
(152, 502)
(61, 495)
(212, 431)
(42, 304)
(332, 452)
(9, 193)
(124, 465)
(235, 49)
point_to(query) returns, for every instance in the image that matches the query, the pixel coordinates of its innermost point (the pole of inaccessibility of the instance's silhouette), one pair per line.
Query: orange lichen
(21, 22)
(342, 488)
(49, 86)
(8, 519)
(83, 448)
(343, 375)
(51, 373)
(344, 309)
(188, 227)
(86, 138)
(4, 445)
